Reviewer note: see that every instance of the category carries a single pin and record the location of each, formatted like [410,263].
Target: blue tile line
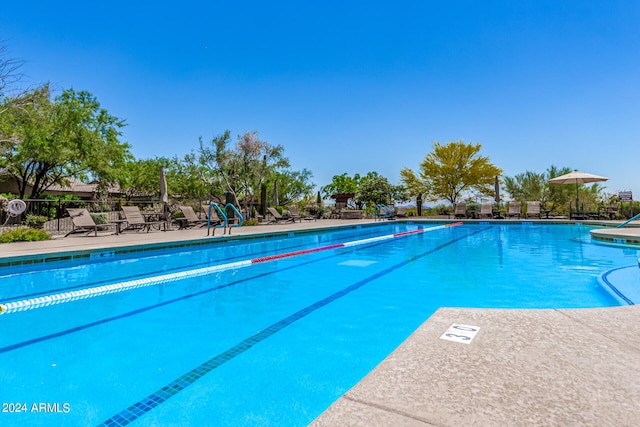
[144,309]
[14,306]
[613,288]
[65,297]
[105,282]
[148,308]
[134,411]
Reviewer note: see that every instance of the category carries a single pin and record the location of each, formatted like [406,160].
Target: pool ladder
[382,212]
[223,215]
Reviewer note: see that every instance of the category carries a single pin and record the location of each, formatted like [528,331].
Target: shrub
[100,218]
[35,221]
[24,235]
[251,221]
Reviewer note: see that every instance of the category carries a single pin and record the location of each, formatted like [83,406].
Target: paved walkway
[523,367]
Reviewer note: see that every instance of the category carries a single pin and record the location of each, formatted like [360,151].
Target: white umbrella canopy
[577,177]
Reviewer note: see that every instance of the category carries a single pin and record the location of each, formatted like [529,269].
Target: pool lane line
[79,328]
[131,276]
[65,297]
[160,396]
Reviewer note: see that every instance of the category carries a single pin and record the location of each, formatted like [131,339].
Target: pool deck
[569,367]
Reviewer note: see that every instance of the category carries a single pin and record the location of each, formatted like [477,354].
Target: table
[155,218]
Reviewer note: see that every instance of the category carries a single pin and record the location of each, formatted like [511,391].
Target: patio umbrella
[576,178]
[496,186]
[164,195]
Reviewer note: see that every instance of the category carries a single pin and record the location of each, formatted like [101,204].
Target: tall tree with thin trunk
[243,168]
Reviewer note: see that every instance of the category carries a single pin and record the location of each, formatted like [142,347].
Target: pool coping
[521,368]
[524,367]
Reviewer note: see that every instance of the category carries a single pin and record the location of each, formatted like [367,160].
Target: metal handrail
[230,205]
[628,221]
[221,214]
[379,208]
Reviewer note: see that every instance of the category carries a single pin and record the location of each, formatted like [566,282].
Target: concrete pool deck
[577,367]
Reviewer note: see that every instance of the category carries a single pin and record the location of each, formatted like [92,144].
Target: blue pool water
[273,343]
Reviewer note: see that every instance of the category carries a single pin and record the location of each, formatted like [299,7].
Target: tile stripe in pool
[33,303]
[16,346]
[138,409]
[605,280]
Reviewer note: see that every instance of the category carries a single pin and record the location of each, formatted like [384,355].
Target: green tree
[292,185]
[192,179]
[243,168]
[450,171]
[341,184]
[140,178]
[374,189]
[47,142]
[528,186]
[558,198]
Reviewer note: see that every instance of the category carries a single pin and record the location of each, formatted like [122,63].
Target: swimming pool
[270,343]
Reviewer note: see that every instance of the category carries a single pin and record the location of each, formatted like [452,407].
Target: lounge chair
[136,221]
[486,210]
[190,219]
[533,209]
[460,210]
[293,213]
[296,215]
[514,210]
[82,221]
[277,218]
[402,212]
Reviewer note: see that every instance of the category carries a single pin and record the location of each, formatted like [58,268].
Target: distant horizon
[357,87]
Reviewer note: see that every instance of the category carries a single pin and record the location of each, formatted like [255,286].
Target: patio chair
[533,209]
[190,219]
[136,221]
[460,210]
[612,210]
[514,209]
[293,212]
[277,218]
[296,215]
[82,221]
[402,212]
[486,210]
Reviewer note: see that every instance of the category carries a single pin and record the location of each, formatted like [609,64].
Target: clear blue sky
[354,86]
